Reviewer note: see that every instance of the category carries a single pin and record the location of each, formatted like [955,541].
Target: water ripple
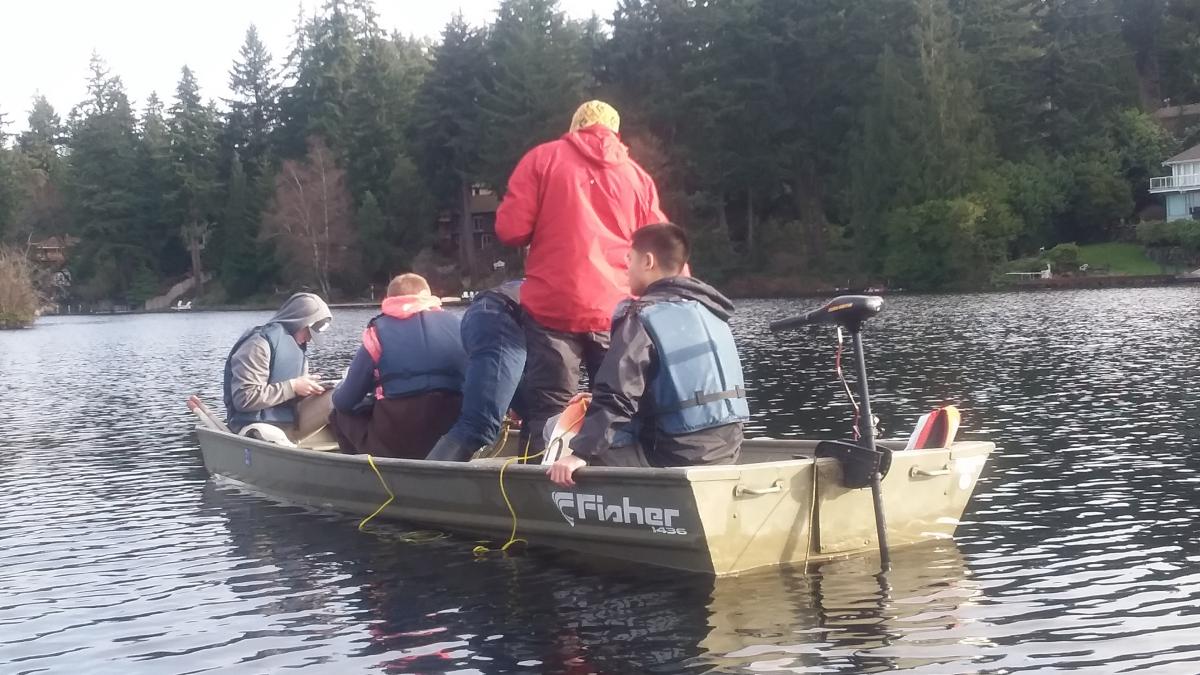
[1078,551]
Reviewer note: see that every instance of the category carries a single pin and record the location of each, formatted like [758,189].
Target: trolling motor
[862,463]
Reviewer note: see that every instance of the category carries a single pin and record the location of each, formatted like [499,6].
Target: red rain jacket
[576,202]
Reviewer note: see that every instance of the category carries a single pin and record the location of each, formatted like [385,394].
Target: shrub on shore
[1182,233]
[18,297]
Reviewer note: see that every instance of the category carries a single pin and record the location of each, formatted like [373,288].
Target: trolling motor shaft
[850,312]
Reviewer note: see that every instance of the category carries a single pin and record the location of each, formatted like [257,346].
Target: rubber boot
[450,449]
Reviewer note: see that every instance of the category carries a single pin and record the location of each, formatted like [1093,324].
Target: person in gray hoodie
[266,372]
[670,391]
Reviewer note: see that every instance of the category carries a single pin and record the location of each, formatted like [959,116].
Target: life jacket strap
[406,374]
[700,398]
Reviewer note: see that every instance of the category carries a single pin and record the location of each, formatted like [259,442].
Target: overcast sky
[45,44]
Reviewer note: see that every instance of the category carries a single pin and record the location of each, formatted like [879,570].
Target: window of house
[477,222]
[486,240]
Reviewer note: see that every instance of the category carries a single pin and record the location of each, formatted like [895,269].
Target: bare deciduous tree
[195,237]
[18,298]
[309,218]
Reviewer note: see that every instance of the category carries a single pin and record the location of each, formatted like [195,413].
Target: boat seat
[322,447]
[490,460]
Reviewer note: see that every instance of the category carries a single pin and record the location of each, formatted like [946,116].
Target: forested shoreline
[917,143]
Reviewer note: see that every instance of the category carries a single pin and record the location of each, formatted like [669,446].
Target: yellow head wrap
[596,112]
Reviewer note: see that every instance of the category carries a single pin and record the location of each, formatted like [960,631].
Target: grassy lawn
[1119,258]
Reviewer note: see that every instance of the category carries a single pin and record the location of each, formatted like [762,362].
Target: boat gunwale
[492,469]
[685,474]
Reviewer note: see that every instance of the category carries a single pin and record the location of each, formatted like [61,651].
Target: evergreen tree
[43,141]
[448,126]
[104,162]
[41,175]
[411,211]
[156,184]
[376,254]
[957,142]
[1079,80]
[254,107]
[321,67]
[380,104]
[241,261]
[1180,52]
[536,80]
[1141,24]
[9,185]
[193,132]
[887,171]
[639,69]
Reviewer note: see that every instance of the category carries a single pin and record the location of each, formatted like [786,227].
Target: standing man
[575,202]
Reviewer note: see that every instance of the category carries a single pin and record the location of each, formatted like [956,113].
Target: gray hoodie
[251,363]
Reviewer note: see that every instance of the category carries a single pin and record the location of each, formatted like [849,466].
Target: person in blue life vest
[495,343]
[266,372]
[670,391]
[404,386]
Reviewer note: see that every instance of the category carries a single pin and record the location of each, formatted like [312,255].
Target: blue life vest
[699,383]
[419,354]
[287,362]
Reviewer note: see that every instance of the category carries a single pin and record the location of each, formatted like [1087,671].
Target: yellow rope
[391,495]
[524,459]
[499,447]
[418,537]
[812,513]
[512,536]
[409,537]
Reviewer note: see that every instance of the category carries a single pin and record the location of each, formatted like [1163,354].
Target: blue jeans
[495,345]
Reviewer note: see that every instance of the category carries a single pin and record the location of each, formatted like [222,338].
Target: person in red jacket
[575,202]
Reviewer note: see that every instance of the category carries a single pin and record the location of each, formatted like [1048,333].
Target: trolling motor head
[847,311]
[860,460]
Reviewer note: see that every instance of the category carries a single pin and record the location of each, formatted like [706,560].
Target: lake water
[1080,550]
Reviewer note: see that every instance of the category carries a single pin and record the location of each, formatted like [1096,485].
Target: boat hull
[717,520]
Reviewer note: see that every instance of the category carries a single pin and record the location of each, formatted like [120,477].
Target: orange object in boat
[936,429]
[569,423]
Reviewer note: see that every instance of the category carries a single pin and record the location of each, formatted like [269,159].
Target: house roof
[487,202]
[56,241]
[1189,110]
[1192,154]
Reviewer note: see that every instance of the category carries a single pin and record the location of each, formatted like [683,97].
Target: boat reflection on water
[393,601]
[844,616]
[396,601]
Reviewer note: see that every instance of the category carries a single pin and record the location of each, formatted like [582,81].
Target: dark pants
[405,427]
[627,455]
[495,345]
[552,372]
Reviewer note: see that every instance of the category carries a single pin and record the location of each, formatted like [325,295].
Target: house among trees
[1182,187]
[484,203]
[52,250]
[1177,119]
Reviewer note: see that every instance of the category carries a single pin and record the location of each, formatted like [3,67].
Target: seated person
[404,386]
[266,372]
[670,391]
[495,345]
